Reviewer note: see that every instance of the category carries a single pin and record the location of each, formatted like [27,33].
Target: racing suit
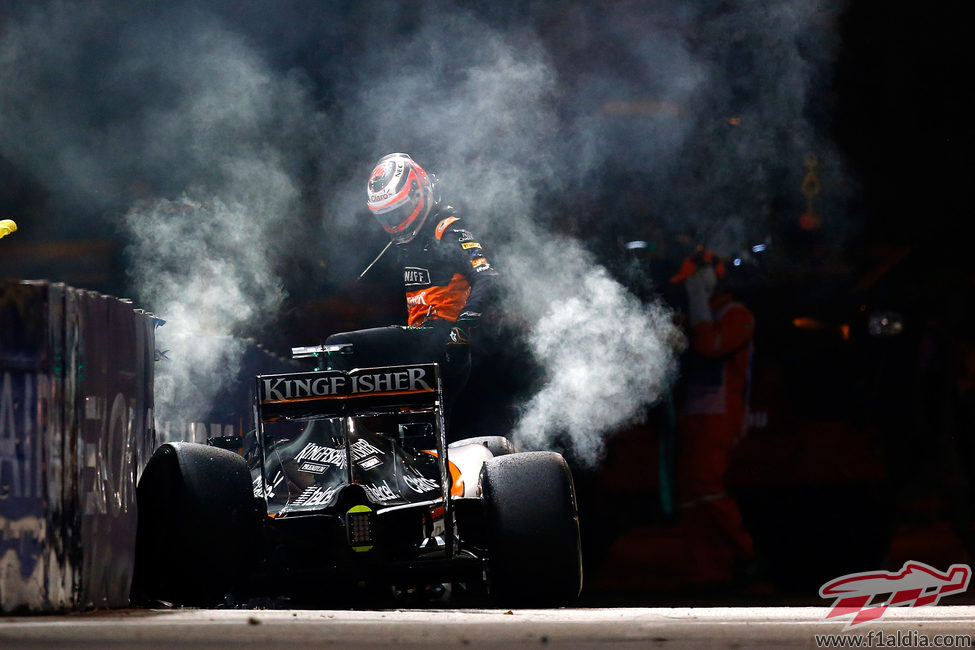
[446,273]
[449,282]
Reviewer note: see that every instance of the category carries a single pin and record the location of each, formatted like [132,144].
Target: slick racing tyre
[196,522]
[535,553]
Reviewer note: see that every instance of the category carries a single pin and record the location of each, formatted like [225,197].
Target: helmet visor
[405,220]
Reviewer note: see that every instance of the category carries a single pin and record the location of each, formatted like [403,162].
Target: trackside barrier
[76,400]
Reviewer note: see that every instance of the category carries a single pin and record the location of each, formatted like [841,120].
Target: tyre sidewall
[533,529]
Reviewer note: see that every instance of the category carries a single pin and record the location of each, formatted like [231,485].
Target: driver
[448,280]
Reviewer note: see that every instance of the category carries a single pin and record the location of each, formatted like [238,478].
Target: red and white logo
[866,596]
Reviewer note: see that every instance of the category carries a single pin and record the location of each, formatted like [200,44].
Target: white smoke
[705,100]
[186,122]
[495,137]
[208,262]
[204,267]
[176,121]
[606,356]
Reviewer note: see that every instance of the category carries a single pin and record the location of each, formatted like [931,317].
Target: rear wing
[335,393]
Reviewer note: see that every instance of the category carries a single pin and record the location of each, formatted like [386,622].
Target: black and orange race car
[351,491]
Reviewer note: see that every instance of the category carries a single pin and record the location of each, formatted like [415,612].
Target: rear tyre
[196,523]
[535,552]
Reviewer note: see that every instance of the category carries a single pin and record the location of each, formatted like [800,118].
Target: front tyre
[535,552]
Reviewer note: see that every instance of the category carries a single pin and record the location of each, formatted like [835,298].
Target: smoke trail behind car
[606,355]
[208,129]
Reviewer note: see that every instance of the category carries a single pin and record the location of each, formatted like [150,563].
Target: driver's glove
[462,331]
[454,333]
[441,327]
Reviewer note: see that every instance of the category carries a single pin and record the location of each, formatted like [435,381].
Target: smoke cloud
[493,132]
[204,267]
[208,261]
[605,354]
[229,141]
[174,114]
[704,104]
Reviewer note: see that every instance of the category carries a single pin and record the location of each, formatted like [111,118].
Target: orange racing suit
[446,272]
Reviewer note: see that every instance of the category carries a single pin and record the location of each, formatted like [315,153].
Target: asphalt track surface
[742,627]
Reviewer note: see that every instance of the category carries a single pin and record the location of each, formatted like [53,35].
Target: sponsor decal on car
[324,455]
[361,449]
[313,468]
[281,389]
[259,489]
[380,492]
[337,384]
[369,463]
[405,380]
[315,495]
[420,484]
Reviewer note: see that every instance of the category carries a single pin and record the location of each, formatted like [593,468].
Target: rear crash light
[360,527]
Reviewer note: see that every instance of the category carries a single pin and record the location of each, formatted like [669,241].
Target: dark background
[864,454]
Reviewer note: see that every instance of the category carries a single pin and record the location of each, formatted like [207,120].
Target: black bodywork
[344,472]
[348,491]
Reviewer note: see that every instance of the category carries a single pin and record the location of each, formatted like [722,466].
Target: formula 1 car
[351,490]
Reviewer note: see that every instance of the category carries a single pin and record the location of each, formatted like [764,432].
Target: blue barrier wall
[76,376]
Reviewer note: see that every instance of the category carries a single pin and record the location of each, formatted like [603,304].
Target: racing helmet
[400,196]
